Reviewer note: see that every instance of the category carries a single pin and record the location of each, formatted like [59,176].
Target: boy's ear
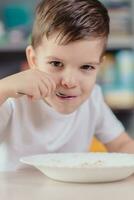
[103,59]
[31,58]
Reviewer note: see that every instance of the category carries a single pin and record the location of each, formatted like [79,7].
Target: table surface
[32,184]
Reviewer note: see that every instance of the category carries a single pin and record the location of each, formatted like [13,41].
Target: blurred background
[117,72]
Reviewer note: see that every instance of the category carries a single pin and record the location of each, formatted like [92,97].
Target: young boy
[55,106]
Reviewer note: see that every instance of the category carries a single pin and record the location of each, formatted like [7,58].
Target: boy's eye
[88,67]
[56,63]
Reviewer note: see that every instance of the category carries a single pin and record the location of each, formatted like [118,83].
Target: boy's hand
[33,83]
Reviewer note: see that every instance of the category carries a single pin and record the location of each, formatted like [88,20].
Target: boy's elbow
[122,144]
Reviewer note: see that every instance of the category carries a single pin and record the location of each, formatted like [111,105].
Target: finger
[47,83]
[52,81]
[36,94]
[45,76]
[43,89]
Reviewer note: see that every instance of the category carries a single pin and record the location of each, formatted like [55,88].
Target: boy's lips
[63,95]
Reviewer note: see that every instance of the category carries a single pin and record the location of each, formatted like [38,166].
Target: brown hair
[72,19]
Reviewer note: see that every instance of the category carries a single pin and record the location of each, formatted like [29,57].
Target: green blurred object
[16,15]
[125,64]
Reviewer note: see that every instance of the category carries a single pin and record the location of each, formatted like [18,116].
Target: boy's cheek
[90,90]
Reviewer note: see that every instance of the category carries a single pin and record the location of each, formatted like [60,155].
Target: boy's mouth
[64,96]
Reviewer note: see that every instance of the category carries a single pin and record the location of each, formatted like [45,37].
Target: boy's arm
[123,144]
[34,83]
[3,94]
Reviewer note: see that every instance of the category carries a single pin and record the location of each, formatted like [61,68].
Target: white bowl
[83,167]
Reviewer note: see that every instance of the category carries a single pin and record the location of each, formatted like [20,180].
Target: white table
[33,185]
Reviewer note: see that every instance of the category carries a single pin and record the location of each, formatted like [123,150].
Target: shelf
[120,42]
[120,100]
[14,47]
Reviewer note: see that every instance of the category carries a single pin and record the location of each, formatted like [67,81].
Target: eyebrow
[54,58]
[87,63]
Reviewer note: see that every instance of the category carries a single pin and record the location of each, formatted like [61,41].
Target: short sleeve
[108,126]
[5,113]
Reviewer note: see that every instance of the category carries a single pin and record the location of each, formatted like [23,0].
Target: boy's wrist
[4,93]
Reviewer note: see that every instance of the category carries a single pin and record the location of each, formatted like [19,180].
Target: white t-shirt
[28,128]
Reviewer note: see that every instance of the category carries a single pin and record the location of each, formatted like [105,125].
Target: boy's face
[73,67]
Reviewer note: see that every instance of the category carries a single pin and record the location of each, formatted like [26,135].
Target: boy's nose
[69,80]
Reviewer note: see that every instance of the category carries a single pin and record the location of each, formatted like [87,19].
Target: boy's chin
[62,110]
[65,111]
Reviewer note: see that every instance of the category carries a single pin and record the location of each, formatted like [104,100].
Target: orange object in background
[97,146]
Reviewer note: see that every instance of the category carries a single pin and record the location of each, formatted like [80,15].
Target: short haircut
[71,19]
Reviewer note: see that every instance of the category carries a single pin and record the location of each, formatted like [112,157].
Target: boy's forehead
[93,47]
